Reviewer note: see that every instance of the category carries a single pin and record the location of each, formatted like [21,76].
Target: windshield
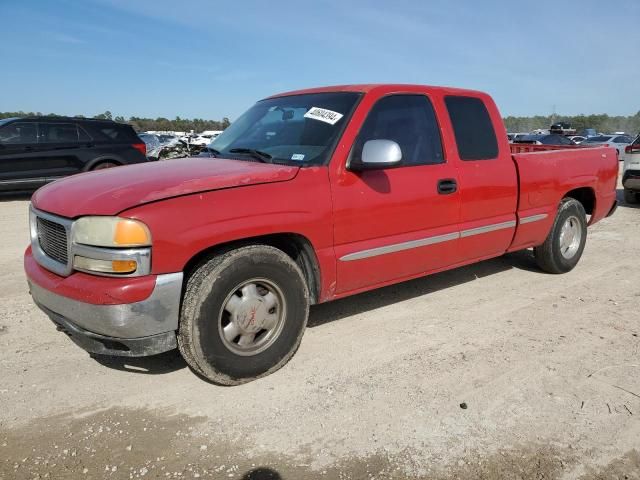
[300,129]
[6,120]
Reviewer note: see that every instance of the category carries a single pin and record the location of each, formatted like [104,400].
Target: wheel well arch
[97,161]
[586,196]
[296,246]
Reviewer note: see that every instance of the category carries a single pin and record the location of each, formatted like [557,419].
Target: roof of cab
[370,87]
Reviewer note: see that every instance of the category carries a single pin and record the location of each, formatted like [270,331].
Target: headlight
[111,246]
[86,264]
[114,232]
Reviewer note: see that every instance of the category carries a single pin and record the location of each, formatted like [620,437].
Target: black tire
[549,256]
[630,197]
[200,335]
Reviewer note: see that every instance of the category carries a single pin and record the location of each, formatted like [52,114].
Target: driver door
[396,223]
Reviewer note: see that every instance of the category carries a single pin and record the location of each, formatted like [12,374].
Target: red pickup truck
[309,196]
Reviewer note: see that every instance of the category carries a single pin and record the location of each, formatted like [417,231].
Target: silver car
[619,142]
[153,145]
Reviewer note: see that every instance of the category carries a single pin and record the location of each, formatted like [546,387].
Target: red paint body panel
[90,288]
[193,205]
[547,176]
[185,226]
[110,191]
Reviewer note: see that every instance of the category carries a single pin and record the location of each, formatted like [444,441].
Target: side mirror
[378,154]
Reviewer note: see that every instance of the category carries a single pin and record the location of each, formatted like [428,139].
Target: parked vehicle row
[312,195]
[618,140]
[38,150]
[544,139]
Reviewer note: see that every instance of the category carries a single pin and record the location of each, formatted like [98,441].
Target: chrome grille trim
[54,251]
[52,238]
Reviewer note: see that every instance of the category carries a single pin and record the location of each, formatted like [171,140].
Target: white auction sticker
[324,115]
[297,156]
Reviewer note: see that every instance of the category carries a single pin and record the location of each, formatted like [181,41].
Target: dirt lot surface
[491,371]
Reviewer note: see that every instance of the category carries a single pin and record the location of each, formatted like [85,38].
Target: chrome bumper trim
[157,314]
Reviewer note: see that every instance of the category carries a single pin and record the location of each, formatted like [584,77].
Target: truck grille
[52,238]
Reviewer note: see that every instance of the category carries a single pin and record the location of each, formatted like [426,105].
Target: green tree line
[601,122]
[141,124]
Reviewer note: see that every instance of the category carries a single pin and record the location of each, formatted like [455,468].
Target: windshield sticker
[297,156]
[324,115]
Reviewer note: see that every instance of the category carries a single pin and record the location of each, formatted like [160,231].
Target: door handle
[447,186]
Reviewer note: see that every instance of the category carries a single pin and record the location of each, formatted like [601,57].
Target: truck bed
[545,171]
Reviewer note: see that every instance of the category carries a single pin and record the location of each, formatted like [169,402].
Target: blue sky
[209,59]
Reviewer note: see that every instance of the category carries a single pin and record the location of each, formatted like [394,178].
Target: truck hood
[110,191]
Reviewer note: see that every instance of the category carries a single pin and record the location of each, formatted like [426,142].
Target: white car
[577,139]
[203,139]
[619,142]
[631,172]
[515,136]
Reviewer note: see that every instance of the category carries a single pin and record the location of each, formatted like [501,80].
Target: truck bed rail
[531,147]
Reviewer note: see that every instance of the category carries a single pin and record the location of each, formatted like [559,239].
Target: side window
[19,133]
[111,133]
[408,120]
[475,136]
[117,133]
[58,133]
[82,135]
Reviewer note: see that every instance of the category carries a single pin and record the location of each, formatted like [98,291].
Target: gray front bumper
[133,323]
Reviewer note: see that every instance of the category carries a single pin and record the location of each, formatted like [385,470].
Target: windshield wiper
[212,151]
[257,154]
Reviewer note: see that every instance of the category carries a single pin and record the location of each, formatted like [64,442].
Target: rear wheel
[630,196]
[103,165]
[565,243]
[243,314]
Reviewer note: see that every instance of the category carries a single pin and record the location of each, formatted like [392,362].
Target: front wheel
[243,314]
[565,243]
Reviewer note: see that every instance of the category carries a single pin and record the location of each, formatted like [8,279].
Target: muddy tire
[565,243]
[243,314]
[630,197]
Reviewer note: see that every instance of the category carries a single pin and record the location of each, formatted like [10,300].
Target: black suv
[37,150]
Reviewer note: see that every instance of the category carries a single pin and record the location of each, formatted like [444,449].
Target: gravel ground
[490,371]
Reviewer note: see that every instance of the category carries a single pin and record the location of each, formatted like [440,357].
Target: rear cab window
[473,128]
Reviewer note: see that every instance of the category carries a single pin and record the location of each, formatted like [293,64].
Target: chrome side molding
[423,242]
